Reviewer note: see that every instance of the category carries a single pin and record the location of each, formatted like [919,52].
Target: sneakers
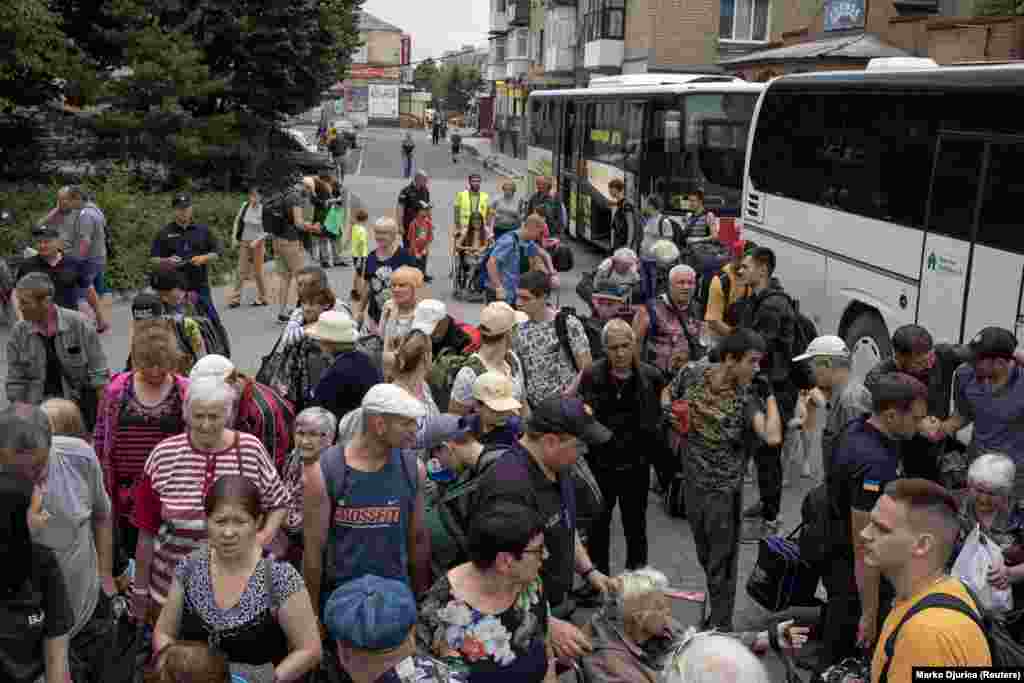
[758,530]
[752,511]
[283,319]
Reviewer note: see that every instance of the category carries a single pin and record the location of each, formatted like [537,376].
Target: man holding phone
[183,244]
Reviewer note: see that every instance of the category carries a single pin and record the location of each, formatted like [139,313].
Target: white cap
[212,365]
[428,314]
[496,391]
[334,326]
[827,345]
[392,399]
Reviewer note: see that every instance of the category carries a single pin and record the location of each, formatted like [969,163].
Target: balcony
[499,23]
[603,54]
[518,12]
[559,49]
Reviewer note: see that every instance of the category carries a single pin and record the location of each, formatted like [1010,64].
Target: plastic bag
[977,556]
[334,221]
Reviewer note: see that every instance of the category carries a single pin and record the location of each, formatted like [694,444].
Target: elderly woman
[490,615]
[315,429]
[497,322]
[254,610]
[179,472]
[506,212]
[139,409]
[989,503]
[398,314]
[634,631]
[713,658]
[372,289]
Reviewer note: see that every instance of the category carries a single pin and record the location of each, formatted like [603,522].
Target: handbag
[780,579]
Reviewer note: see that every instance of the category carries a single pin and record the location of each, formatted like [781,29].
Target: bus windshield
[708,154]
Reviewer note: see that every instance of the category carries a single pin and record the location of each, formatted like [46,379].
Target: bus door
[663,154]
[569,152]
[972,263]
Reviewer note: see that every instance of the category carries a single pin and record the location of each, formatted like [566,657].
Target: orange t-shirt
[933,637]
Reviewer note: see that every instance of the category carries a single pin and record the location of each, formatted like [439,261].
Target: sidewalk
[499,163]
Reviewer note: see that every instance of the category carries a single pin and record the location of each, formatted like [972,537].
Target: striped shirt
[169,499]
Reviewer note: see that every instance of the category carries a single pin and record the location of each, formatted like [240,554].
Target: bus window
[538,116]
[663,156]
[633,136]
[1001,225]
[717,126]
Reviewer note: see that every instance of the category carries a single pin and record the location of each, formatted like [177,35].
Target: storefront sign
[375,72]
[383,101]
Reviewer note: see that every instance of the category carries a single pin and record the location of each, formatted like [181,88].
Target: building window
[499,51]
[744,20]
[500,7]
[522,40]
[604,20]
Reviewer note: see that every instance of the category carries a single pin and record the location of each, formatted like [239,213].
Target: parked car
[303,139]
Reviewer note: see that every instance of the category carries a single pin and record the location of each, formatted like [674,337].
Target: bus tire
[868,341]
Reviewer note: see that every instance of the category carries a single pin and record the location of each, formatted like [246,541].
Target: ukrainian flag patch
[872,485]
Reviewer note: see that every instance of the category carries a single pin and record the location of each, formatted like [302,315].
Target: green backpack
[442,374]
[447,515]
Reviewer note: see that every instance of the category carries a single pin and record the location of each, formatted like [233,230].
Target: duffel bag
[780,579]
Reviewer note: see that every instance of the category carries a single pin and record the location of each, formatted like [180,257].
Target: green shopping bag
[335,221]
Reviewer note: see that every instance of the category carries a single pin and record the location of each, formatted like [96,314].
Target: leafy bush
[133,216]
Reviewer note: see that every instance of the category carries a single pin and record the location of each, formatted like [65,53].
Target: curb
[491,162]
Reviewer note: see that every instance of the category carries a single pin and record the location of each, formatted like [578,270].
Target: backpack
[475,339]
[108,239]
[704,291]
[591,327]
[562,258]
[215,337]
[489,251]
[447,512]
[697,350]
[804,332]
[275,220]
[441,377]
[1006,652]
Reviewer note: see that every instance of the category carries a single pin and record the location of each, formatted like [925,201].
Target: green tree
[424,75]
[36,53]
[457,85]
[999,8]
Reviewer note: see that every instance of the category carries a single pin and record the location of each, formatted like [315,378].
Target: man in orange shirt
[725,290]
[910,538]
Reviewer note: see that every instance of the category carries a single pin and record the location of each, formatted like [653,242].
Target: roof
[1008,77]
[672,89]
[862,46]
[368,22]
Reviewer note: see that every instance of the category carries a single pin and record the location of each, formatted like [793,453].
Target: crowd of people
[399,495]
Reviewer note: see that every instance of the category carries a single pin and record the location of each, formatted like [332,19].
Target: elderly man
[667,333]
[259,409]
[79,530]
[70,275]
[53,351]
[554,211]
[624,395]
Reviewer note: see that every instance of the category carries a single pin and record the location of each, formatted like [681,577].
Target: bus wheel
[869,343]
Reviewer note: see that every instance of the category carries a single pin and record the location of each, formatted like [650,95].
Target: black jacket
[633,416]
[770,314]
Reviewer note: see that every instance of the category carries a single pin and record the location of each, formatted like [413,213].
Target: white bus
[663,135]
[888,197]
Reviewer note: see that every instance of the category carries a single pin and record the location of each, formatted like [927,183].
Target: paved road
[373,179]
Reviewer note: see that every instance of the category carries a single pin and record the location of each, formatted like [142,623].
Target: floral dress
[499,647]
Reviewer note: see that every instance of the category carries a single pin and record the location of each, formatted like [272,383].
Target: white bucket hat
[334,326]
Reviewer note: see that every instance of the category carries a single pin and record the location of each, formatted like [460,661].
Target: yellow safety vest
[465,204]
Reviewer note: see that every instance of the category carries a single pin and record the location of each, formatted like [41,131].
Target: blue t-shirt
[998,416]
[862,445]
[508,253]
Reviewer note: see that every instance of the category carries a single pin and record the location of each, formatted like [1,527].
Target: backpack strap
[941,600]
[410,467]
[562,332]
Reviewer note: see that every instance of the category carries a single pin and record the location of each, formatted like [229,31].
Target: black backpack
[215,337]
[804,332]
[275,219]
[1006,652]
[591,327]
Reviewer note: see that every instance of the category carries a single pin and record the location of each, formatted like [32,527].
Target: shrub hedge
[133,216]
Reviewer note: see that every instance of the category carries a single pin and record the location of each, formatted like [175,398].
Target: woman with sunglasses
[489,616]
[169,498]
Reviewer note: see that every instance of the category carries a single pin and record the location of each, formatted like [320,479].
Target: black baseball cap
[182,200]
[147,307]
[993,342]
[44,231]
[561,415]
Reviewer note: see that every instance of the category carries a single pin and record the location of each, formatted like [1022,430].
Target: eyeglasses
[541,550]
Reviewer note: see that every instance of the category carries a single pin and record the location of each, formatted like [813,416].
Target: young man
[290,254]
[867,459]
[191,247]
[769,313]
[536,472]
[71,275]
[700,221]
[364,507]
[915,354]
[726,407]
[85,235]
[844,398]
[989,394]
[625,224]
[516,253]
[53,351]
[550,370]
[725,292]
[468,202]
[910,538]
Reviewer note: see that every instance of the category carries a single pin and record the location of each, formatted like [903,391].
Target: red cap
[738,247]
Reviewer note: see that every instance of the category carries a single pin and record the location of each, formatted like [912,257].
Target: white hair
[681,269]
[713,658]
[210,390]
[994,471]
[624,254]
[386,223]
[616,325]
[321,418]
[635,584]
